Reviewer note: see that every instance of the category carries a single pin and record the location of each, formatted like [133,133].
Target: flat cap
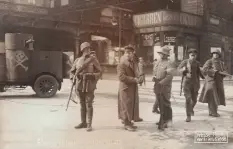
[191,50]
[165,50]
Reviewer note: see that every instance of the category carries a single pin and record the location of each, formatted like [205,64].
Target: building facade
[65,24]
[200,24]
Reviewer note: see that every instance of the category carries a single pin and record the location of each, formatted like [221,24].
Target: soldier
[141,66]
[86,83]
[155,108]
[163,75]
[190,69]
[128,89]
[213,89]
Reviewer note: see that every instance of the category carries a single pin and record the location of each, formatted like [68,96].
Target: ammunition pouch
[87,76]
[90,77]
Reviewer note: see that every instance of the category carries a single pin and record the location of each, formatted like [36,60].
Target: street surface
[27,122]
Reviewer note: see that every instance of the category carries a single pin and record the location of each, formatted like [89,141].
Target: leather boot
[89,119]
[188,119]
[83,123]
[128,126]
[155,111]
[161,122]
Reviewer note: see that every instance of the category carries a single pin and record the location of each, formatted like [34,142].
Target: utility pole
[120,34]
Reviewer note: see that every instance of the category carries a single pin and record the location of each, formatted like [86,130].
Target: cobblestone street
[28,122]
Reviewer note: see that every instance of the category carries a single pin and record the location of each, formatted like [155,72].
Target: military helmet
[216,51]
[84,45]
[129,48]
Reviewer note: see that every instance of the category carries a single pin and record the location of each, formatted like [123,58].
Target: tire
[2,88]
[46,86]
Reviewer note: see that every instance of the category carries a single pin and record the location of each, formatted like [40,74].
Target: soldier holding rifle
[128,91]
[190,69]
[86,83]
[213,89]
[163,75]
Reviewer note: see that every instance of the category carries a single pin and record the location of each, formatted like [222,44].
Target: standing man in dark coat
[190,69]
[163,75]
[127,93]
[86,81]
[213,89]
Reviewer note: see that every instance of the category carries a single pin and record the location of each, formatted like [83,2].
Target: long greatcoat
[128,90]
[213,87]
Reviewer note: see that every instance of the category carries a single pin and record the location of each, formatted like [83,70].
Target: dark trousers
[156,104]
[213,107]
[86,103]
[165,109]
[191,99]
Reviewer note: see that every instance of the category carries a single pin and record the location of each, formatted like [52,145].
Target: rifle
[182,80]
[225,74]
[71,92]
[181,86]
[89,60]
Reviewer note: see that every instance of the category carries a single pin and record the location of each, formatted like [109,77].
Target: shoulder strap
[222,66]
[188,65]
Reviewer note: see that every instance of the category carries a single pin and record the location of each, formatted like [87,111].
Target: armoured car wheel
[46,86]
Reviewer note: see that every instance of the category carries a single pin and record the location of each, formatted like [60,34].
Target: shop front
[177,30]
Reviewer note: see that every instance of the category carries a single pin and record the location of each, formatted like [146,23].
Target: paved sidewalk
[28,122]
[113,76]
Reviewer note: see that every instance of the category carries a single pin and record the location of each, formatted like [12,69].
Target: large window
[41,3]
[64,2]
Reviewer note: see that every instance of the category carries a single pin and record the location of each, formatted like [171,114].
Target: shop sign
[171,17]
[147,39]
[190,20]
[156,37]
[147,19]
[169,38]
[166,18]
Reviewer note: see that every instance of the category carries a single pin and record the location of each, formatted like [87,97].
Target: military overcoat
[128,92]
[213,87]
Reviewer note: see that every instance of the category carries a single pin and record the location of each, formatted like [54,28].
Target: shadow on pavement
[3,97]
[33,96]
